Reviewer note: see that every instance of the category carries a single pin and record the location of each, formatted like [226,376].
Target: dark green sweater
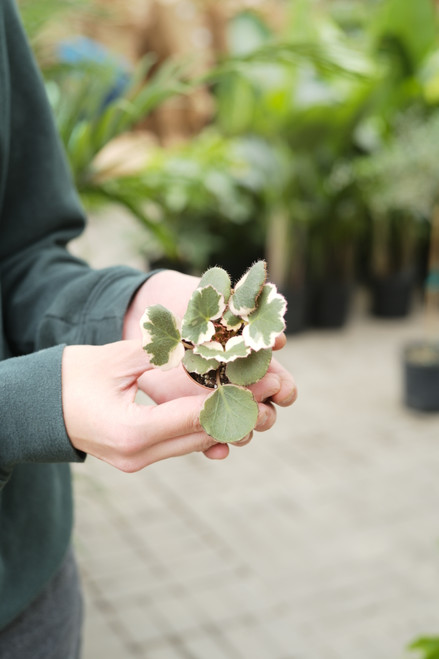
[47,299]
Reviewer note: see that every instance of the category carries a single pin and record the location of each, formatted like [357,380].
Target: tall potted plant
[302,105]
[404,180]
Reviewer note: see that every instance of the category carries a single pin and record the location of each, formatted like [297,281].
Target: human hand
[173,290]
[169,288]
[99,385]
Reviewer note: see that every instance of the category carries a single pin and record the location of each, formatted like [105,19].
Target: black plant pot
[392,295]
[297,303]
[421,377]
[329,303]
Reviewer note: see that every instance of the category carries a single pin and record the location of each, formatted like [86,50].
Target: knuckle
[194,423]
[128,466]
[128,444]
[205,442]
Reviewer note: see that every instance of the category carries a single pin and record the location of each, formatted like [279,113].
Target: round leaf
[219,279]
[161,338]
[249,370]
[229,414]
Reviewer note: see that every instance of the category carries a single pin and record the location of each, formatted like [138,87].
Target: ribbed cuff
[32,423]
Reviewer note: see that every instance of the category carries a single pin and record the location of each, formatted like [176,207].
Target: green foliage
[403,176]
[293,111]
[266,321]
[87,121]
[229,413]
[208,194]
[36,15]
[244,298]
[233,349]
[427,647]
[248,370]
[205,305]
[218,355]
[161,337]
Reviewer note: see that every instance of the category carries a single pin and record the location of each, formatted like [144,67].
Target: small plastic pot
[421,377]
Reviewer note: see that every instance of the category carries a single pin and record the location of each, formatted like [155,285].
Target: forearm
[52,298]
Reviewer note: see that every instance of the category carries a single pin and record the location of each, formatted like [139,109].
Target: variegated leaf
[234,349]
[267,321]
[196,364]
[219,279]
[230,321]
[161,337]
[205,305]
[243,300]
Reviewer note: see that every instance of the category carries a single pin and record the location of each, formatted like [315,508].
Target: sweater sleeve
[32,424]
[49,296]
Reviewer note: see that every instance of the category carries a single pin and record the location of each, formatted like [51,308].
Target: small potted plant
[224,343]
[399,184]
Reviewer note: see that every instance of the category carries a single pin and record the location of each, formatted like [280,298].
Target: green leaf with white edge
[196,364]
[243,300]
[219,279]
[267,321]
[205,305]
[230,321]
[234,349]
[249,370]
[229,414]
[161,337]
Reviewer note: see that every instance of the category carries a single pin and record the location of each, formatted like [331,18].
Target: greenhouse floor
[319,540]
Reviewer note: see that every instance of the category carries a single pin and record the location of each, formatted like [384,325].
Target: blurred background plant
[427,648]
[253,129]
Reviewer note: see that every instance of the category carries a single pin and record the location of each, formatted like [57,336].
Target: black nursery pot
[392,295]
[296,314]
[421,377]
[329,303]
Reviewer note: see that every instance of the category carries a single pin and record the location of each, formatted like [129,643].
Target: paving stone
[322,534]
[211,646]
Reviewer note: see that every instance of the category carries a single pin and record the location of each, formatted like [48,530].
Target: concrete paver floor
[319,540]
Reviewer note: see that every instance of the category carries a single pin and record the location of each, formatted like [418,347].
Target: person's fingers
[266,417]
[245,441]
[175,418]
[266,388]
[217,452]
[159,385]
[172,448]
[287,393]
[280,342]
